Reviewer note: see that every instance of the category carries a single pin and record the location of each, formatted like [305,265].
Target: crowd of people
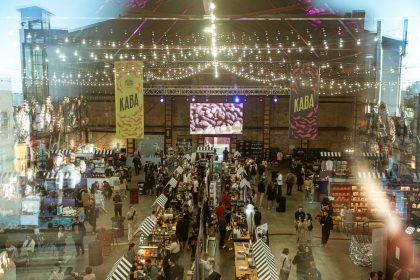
[265,193]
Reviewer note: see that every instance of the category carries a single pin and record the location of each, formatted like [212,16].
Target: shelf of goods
[250,149]
[406,198]
[148,252]
[354,197]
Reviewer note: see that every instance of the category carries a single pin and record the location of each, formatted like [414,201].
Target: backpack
[311,226]
[253,170]
[289,179]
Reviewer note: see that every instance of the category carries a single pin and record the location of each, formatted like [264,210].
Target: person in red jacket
[226,200]
[220,210]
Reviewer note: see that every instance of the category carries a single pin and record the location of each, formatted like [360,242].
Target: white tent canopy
[120,270]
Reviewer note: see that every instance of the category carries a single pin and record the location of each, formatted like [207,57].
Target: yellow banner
[129,112]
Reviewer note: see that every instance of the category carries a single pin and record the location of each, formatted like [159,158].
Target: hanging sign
[304,100]
[129,112]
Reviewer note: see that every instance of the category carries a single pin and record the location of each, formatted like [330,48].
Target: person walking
[176,272]
[222,231]
[299,214]
[137,164]
[286,264]
[300,174]
[131,222]
[308,185]
[301,262]
[310,227]
[131,252]
[279,184]
[327,225]
[195,187]
[78,236]
[257,217]
[123,183]
[92,215]
[182,230]
[117,201]
[261,191]
[220,210]
[60,242]
[253,171]
[301,231]
[225,155]
[271,195]
[174,247]
[290,181]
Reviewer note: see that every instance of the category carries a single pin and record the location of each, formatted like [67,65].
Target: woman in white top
[60,242]
[28,245]
[285,264]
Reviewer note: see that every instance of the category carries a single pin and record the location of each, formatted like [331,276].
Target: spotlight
[207,99]
[275,99]
[261,99]
[237,99]
[193,99]
[162,99]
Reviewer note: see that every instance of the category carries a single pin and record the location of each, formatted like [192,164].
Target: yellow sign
[20,158]
[129,112]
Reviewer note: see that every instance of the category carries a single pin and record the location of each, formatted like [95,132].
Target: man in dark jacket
[222,230]
[299,214]
[182,231]
[327,225]
[302,263]
[257,217]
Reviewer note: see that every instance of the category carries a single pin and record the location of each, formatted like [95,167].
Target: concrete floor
[332,261]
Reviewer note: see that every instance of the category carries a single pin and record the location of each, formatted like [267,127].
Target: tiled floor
[332,261]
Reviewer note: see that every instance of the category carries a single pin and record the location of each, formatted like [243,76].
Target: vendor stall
[265,261]
[244,262]
[120,270]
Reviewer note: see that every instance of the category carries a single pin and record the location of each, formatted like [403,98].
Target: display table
[241,262]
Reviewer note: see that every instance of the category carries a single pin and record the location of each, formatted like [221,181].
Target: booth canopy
[103,152]
[330,154]
[205,150]
[146,227]
[121,270]
[172,182]
[373,155]
[244,182]
[179,170]
[161,201]
[264,260]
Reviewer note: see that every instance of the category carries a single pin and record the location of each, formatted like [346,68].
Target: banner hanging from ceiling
[304,100]
[129,112]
